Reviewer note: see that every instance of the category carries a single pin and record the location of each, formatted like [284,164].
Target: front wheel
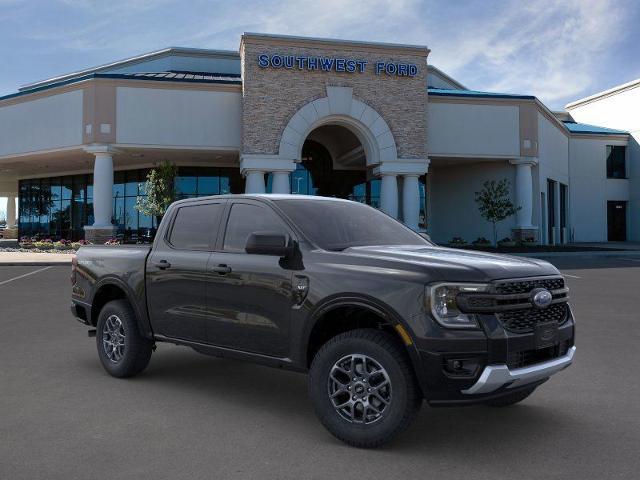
[363,388]
[123,351]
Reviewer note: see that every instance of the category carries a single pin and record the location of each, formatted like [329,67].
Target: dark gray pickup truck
[379,316]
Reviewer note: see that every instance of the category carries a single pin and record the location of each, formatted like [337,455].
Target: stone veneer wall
[271,96]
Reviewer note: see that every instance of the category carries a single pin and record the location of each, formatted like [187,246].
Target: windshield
[336,225]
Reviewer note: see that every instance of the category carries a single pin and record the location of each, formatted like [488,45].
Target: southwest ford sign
[333,64]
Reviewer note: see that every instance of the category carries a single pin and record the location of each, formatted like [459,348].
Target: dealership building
[372,122]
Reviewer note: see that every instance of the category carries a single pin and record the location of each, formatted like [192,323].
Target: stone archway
[340,108]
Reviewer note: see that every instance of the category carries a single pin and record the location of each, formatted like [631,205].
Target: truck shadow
[283,395]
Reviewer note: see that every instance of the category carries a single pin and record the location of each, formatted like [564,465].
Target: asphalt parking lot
[192,416]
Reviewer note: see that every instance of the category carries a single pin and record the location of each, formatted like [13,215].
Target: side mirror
[269,243]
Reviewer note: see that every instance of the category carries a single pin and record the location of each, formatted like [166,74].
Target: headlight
[444,307]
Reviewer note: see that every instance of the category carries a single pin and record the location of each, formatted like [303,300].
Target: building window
[60,207]
[616,161]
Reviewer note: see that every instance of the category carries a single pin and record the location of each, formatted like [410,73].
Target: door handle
[222,269]
[162,264]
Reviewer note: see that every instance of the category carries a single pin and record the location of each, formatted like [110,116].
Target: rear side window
[196,227]
[245,219]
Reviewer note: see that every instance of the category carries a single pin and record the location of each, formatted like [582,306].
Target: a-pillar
[524,198]
[102,228]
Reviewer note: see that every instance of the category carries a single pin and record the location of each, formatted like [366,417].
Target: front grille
[525,286]
[523,321]
[512,303]
[525,358]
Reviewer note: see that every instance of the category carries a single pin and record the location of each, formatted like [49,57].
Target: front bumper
[495,377]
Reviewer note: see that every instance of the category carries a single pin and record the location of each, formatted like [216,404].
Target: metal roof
[475,93]
[585,128]
[135,60]
[186,77]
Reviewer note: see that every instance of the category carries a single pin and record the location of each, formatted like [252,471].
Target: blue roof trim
[227,80]
[444,92]
[585,128]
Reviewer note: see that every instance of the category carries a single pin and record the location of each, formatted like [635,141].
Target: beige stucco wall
[271,96]
[54,121]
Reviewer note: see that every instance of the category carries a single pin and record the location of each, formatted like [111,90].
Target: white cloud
[546,48]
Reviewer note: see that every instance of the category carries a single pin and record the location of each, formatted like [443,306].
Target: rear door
[617,221]
[177,271]
[249,296]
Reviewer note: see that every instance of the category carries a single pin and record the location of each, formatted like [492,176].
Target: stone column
[524,197]
[11,212]
[254,181]
[281,183]
[102,228]
[411,201]
[389,194]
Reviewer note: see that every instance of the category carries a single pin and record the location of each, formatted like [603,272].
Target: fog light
[461,367]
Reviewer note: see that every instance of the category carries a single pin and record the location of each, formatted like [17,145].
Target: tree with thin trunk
[160,191]
[494,203]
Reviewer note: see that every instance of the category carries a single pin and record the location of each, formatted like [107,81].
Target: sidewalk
[35,259]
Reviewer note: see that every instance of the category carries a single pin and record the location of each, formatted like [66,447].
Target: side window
[195,227]
[245,219]
[616,165]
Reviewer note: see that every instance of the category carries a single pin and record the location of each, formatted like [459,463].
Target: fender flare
[369,303]
[142,317]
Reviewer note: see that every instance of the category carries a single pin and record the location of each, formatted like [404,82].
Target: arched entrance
[339,146]
[333,164]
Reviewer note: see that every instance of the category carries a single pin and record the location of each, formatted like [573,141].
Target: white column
[280,183]
[411,201]
[103,189]
[524,193]
[11,212]
[389,194]
[254,182]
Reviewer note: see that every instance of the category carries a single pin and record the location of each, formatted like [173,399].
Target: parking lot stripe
[25,275]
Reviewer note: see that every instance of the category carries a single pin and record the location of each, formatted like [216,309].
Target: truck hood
[453,264]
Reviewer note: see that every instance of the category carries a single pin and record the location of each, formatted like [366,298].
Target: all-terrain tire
[117,325]
[512,399]
[379,422]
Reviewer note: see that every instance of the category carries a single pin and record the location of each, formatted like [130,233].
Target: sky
[557,50]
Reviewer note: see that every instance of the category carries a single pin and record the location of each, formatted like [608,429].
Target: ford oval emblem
[541,298]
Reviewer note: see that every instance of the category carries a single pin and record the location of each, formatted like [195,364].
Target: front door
[177,271]
[617,221]
[249,297]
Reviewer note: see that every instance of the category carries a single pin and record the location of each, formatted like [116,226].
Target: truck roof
[264,196]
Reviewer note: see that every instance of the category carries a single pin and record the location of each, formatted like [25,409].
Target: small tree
[494,203]
[160,191]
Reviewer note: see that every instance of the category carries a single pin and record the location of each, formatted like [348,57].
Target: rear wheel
[511,399]
[363,388]
[123,351]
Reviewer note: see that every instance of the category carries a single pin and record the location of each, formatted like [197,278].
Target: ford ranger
[379,317]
